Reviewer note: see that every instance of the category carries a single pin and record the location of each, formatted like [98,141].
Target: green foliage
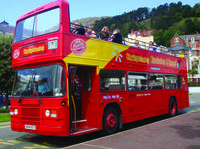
[165,20]
[4,117]
[192,71]
[6,70]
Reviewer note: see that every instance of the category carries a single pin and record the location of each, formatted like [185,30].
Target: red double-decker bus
[68,84]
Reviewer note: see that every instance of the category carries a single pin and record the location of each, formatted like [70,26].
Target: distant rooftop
[5,28]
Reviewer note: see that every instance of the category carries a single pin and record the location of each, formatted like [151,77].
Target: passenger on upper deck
[90,32]
[104,34]
[152,47]
[117,37]
[136,44]
[78,29]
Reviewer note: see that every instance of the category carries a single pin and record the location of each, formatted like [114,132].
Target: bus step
[80,123]
[81,130]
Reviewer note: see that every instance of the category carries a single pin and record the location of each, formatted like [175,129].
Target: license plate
[31,127]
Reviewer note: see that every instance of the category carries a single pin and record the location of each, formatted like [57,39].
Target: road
[16,140]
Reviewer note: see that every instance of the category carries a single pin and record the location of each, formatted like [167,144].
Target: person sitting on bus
[78,29]
[152,47]
[43,87]
[117,37]
[104,34]
[90,32]
[136,44]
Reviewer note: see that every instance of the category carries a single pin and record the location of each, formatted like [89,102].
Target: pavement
[180,132]
[194,89]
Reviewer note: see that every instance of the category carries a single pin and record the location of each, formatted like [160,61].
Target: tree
[6,70]
[190,26]
[192,72]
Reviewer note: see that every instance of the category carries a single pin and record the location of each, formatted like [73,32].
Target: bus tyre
[172,107]
[110,120]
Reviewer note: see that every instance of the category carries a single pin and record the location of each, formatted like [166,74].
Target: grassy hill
[89,20]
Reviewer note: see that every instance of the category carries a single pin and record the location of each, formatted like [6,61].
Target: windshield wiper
[38,97]
[20,98]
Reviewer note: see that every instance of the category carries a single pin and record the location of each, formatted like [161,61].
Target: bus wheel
[110,120]
[172,107]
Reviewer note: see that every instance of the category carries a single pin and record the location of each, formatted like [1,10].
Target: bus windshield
[40,81]
[38,24]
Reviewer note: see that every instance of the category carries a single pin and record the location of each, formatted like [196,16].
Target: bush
[193,84]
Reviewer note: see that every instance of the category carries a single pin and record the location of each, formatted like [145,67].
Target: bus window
[179,82]
[112,80]
[156,81]
[170,82]
[137,81]
[40,81]
[39,24]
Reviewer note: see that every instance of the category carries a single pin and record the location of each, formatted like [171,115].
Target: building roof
[189,37]
[5,28]
[179,48]
[140,33]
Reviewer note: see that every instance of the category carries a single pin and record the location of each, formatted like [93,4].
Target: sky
[10,10]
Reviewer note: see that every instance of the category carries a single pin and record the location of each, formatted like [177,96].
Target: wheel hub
[111,121]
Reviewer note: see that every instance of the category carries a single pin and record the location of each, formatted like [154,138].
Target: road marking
[45,143]
[5,143]
[35,146]
[5,126]
[97,146]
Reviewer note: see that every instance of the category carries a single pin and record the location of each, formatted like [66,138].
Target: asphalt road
[16,140]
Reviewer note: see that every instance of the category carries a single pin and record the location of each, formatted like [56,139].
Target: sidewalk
[194,89]
[5,124]
[180,132]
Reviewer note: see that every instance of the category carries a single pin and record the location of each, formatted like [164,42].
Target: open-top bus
[67,84]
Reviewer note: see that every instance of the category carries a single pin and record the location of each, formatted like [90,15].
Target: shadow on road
[60,142]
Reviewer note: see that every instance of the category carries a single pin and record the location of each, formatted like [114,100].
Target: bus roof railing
[127,41]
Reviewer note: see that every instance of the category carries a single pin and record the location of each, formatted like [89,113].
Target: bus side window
[170,81]
[137,81]
[156,81]
[179,82]
[112,80]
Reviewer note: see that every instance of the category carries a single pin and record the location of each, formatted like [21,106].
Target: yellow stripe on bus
[98,53]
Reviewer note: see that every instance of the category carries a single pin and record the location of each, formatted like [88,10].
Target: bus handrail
[125,40]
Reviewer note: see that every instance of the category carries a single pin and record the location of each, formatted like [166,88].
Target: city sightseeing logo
[78,46]
[16,54]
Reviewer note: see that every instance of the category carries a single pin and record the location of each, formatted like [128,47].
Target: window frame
[175,79]
[135,73]
[117,90]
[34,18]
[163,84]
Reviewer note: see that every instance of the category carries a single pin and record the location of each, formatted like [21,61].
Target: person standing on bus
[117,37]
[104,34]
[78,29]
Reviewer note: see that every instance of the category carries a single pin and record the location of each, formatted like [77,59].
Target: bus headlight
[47,113]
[51,113]
[16,111]
[13,111]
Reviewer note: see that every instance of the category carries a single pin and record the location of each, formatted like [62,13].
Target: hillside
[89,20]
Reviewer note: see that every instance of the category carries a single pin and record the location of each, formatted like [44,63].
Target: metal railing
[126,41]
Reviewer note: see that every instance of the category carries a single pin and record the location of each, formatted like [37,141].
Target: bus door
[81,96]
